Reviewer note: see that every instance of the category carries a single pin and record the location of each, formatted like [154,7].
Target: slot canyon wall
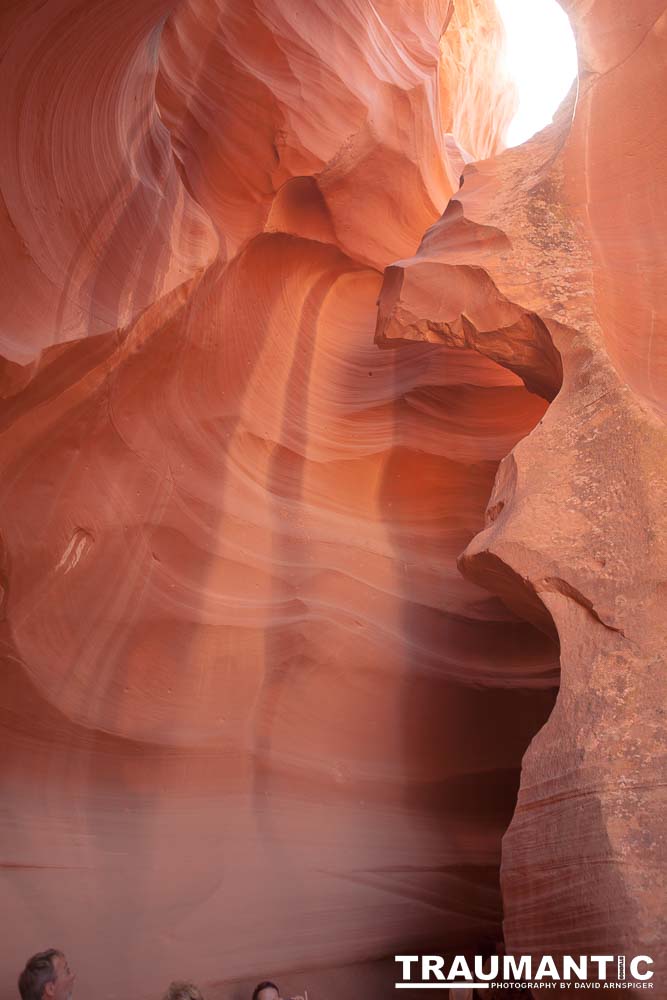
[331,440]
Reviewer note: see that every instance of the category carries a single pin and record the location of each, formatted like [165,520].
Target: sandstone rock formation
[257,716]
[555,251]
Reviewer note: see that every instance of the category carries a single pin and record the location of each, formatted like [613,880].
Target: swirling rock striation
[551,254]
[254,719]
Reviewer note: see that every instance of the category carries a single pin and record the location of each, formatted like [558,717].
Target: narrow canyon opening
[541,61]
[269,666]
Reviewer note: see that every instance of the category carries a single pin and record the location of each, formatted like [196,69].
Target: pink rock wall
[560,244]
[255,721]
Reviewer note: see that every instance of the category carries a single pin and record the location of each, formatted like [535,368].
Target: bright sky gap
[541,58]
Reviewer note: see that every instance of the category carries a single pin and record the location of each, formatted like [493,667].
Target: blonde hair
[179,990]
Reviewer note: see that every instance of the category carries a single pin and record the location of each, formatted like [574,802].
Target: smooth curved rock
[95,222]
[557,231]
[254,719]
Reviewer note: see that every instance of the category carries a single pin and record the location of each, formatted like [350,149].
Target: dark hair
[266,985]
[37,973]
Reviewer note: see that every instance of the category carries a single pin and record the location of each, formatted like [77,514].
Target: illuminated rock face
[255,720]
[557,244]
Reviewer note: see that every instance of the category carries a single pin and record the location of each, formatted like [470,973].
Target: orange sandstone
[254,717]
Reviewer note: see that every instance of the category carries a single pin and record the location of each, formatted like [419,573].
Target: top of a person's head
[179,990]
[261,987]
[39,970]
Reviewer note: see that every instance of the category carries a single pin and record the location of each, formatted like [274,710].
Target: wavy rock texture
[555,251]
[95,222]
[255,720]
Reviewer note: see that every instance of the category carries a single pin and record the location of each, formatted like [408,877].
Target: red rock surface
[254,719]
[561,244]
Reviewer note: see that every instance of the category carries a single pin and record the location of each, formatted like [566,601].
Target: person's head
[183,991]
[46,976]
[266,991]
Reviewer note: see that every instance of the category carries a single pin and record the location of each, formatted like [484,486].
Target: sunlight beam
[541,58]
